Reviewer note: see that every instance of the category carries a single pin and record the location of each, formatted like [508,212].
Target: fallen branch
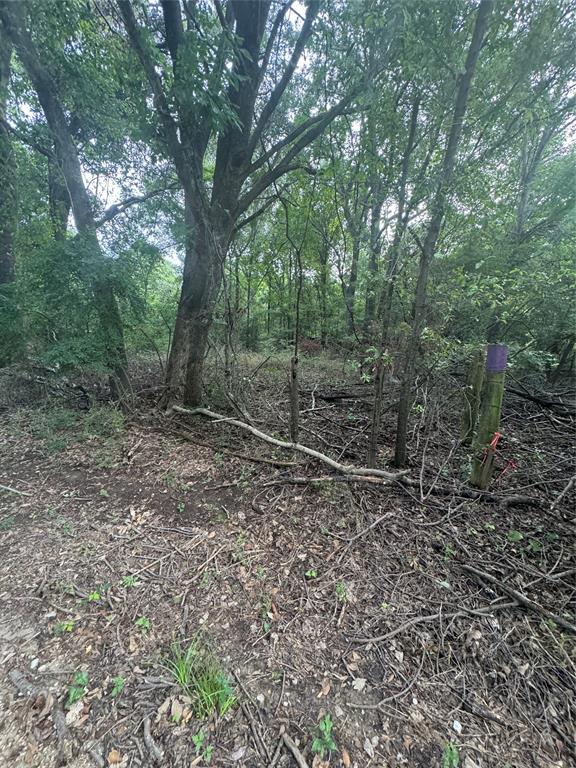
[432,617]
[14,490]
[566,490]
[342,468]
[155,752]
[254,459]
[297,755]
[520,598]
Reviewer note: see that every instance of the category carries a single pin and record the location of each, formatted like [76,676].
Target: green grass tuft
[201,677]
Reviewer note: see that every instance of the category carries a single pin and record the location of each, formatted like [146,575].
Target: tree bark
[373,260]
[59,200]
[350,288]
[437,217]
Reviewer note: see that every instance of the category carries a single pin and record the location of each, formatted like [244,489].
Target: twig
[432,617]
[155,751]
[298,756]
[522,599]
[566,490]
[277,751]
[394,695]
[14,490]
[363,533]
[258,740]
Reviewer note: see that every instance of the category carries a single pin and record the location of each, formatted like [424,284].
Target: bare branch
[118,208]
[272,103]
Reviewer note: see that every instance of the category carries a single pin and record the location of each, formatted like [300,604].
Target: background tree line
[393,177]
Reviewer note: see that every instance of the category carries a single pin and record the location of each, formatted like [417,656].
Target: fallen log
[342,468]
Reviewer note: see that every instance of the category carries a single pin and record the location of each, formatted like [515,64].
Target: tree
[437,211]
[225,96]
[13,18]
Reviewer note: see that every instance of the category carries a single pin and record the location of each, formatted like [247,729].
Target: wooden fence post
[484,445]
[472,395]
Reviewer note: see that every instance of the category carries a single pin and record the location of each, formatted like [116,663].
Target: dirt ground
[347,599]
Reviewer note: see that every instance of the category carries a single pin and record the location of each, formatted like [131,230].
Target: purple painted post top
[496,358]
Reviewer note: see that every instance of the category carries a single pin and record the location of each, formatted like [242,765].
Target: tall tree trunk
[12,17]
[200,284]
[9,315]
[59,200]
[350,287]
[323,294]
[373,259]
[436,219]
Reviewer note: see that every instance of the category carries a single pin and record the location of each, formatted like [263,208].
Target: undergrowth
[200,675]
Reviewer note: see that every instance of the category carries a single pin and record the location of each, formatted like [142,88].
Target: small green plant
[311,574]
[200,676]
[535,546]
[323,741]
[266,612]
[449,551]
[66,527]
[129,581]
[118,684]
[515,536]
[181,507]
[341,593]
[104,493]
[63,627]
[94,596]
[143,623]
[450,756]
[77,688]
[198,739]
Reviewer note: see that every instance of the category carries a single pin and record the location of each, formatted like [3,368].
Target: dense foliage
[293,175]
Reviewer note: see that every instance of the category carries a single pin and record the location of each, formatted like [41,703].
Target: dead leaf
[359,684]
[238,754]
[114,757]
[326,685]
[368,748]
[346,758]
[74,712]
[163,709]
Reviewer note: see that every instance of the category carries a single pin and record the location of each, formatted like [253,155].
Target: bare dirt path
[129,538]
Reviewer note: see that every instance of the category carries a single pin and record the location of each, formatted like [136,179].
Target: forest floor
[133,536]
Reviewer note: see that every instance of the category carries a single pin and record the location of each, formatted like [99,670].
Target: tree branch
[272,103]
[173,27]
[118,208]
[160,101]
[29,142]
[285,164]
